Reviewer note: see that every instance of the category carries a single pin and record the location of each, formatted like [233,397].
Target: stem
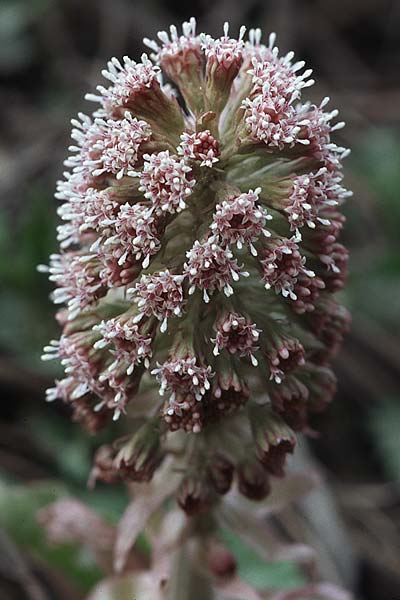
[186,584]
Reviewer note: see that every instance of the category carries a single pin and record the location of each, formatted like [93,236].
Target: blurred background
[51,53]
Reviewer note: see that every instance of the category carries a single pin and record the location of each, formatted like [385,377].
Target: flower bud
[138,458]
[134,459]
[195,495]
[322,387]
[228,392]
[284,355]
[221,473]
[224,58]
[330,322]
[182,60]
[273,439]
[253,479]
[290,400]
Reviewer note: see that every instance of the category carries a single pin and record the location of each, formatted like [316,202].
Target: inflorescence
[198,261]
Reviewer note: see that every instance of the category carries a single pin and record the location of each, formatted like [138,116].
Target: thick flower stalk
[198,264]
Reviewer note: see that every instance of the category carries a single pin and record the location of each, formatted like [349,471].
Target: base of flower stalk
[186,583]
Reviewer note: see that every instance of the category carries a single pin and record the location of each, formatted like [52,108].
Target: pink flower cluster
[225,51]
[282,264]
[159,295]
[199,252]
[128,79]
[165,181]
[237,334]
[240,220]
[201,146]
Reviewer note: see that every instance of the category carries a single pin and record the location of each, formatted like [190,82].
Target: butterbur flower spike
[198,264]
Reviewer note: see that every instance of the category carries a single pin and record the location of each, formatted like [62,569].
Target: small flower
[284,355]
[129,80]
[224,52]
[202,147]
[237,334]
[307,291]
[270,115]
[120,145]
[278,80]
[118,269]
[87,215]
[311,199]
[78,279]
[228,392]
[137,231]
[159,295]
[139,457]
[322,388]
[109,146]
[330,321]
[316,131]
[134,459]
[240,220]
[211,267]
[305,201]
[165,181]
[183,375]
[282,264]
[336,267]
[179,55]
[183,412]
[224,57]
[137,87]
[129,341]
[75,184]
[120,385]
[81,365]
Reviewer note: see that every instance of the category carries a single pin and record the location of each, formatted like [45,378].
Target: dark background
[51,53]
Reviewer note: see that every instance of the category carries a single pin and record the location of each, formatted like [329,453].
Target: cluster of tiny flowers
[201,146]
[237,334]
[199,258]
[240,220]
[164,181]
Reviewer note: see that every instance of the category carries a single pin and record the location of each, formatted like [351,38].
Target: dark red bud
[253,480]
[221,473]
[194,496]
